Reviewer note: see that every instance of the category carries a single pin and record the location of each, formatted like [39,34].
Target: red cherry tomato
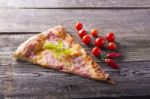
[94,32]
[99,42]
[112,46]
[96,51]
[110,37]
[78,26]
[82,32]
[86,39]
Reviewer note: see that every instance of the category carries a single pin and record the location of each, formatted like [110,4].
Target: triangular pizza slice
[56,49]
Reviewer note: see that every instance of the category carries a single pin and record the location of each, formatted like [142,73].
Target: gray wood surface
[121,21]
[26,80]
[21,19]
[74,3]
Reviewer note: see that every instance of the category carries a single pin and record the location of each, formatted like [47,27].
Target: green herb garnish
[58,49]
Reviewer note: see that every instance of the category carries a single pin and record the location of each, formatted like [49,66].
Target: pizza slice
[56,49]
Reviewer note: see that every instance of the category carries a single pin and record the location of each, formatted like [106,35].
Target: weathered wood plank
[25,79]
[2,76]
[127,45]
[31,80]
[122,22]
[74,3]
[1,82]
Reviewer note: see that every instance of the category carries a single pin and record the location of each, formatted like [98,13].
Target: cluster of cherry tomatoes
[99,41]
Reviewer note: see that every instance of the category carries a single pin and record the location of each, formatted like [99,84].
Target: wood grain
[26,80]
[1,81]
[74,4]
[123,22]
[31,80]
[21,19]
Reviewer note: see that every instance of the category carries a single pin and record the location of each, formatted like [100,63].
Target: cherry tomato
[99,42]
[78,26]
[110,37]
[96,51]
[86,39]
[82,32]
[94,32]
[112,46]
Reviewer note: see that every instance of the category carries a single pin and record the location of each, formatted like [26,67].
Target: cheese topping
[64,54]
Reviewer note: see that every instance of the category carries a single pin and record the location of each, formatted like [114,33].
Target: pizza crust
[23,51]
[98,73]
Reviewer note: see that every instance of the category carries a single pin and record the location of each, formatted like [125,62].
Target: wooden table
[129,19]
